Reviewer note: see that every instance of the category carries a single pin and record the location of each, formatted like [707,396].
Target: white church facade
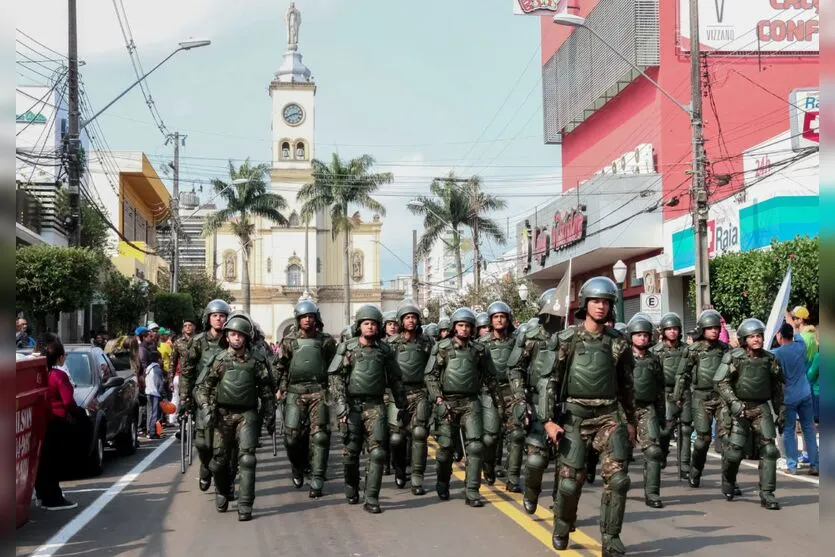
[302,259]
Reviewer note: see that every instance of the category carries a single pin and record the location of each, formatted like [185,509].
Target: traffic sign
[651,306]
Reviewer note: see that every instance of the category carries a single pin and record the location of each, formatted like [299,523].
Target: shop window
[300,153]
[294,275]
[285,150]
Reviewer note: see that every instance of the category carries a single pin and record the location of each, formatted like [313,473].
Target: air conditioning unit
[644,161]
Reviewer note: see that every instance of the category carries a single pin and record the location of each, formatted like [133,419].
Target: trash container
[30,427]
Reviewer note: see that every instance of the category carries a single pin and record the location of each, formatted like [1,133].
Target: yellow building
[136,200]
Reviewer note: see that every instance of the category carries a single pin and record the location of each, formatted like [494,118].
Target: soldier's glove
[442,412]
[737,409]
[781,420]
[341,409]
[206,414]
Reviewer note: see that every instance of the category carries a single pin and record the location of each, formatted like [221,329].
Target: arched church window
[230,261]
[300,150]
[294,275]
[294,219]
[285,150]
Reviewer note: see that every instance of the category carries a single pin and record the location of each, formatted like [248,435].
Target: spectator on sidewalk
[59,431]
[799,320]
[797,399]
[22,338]
[165,348]
[813,376]
[153,391]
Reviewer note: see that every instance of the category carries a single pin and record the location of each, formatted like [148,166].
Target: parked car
[109,408]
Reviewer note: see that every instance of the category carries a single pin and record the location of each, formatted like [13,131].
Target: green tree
[51,280]
[127,300]
[94,228]
[745,284]
[202,289]
[170,309]
[479,204]
[505,289]
[336,187]
[247,197]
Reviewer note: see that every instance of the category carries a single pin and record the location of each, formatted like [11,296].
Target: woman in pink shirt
[61,406]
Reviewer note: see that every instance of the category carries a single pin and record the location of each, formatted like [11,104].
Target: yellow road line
[538,526]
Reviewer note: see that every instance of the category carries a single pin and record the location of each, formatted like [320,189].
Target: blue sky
[413,84]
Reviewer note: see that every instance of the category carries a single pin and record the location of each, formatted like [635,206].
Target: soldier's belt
[412,387]
[582,411]
[705,394]
[459,396]
[305,388]
[359,401]
[226,410]
[644,402]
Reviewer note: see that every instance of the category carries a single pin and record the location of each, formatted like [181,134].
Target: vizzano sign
[539,7]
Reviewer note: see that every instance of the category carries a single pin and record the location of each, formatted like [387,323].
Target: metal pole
[414,268]
[306,257]
[620,303]
[699,204]
[73,135]
[175,213]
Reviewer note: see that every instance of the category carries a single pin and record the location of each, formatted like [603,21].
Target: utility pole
[414,268]
[73,135]
[699,201]
[175,208]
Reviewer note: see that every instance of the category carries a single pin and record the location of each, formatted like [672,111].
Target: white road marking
[88,490]
[56,542]
[807,479]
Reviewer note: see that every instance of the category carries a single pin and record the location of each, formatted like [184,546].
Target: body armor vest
[671,358]
[208,350]
[461,375]
[542,365]
[500,352]
[645,382]
[753,382]
[591,371]
[368,376]
[307,364]
[412,358]
[237,386]
[709,360]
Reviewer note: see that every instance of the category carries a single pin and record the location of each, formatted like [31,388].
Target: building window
[294,275]
[318,264]
[230,263]
[294,219]
[269,264]
[300,150]
[285,150]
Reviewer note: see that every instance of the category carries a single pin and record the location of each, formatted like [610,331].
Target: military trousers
[307,434]
[412,431]
[236,431]
[707,407]
[678,417]
[649,434]
[500,430]
[366,424]
[459,416]
[539,450]
[756,427]
[602,429]
[203,441]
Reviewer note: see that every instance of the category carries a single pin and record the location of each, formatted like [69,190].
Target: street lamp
[426,313]
[184,45]
[619,272]
[523,292]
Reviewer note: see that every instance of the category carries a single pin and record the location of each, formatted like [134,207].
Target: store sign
[568,228]
[30,117]
[804,117]
[723,236]
[753,26]
[539,7]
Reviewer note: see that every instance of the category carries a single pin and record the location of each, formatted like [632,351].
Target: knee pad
[517,435]
[619,483]
[475,448]
[321,439]
[489,440]
[420,433]
[569,487]
[396,439]
[686,430]
[537,461]
[292,438]
[770,452]
[732,453]
[247,460]
[701,444]
[378,455]
[217,464]
[443,455]
[654,452]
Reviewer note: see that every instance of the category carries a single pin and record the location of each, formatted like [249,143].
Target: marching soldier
[650,406]
[390,325]
[530,372]
[228,398]
[482,324]
[455,374]
[201,349]
[672,354]
[500,342]
[748,379]
[594,374]
[431,330]
[359,374]
[443,328]
[412,348]
[301,371]
[703,359]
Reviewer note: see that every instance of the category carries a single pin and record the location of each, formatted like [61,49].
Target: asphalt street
[157,511]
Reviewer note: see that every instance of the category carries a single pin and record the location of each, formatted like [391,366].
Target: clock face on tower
[293,114]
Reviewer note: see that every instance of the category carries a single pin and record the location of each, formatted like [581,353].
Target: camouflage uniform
[673,360]
[650,407]
[229,396]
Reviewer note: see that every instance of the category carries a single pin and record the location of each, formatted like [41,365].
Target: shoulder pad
[444,344]
[657,348]
[485,338]
[567,334]
[614,333]
[478,345]
[533,332]
[385,347]
[737,352]
[695,347]
[351,344]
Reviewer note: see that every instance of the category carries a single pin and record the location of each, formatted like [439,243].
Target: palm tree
[335,186]
[451,207]
[247,196]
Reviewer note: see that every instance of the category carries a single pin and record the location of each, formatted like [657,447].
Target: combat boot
[244,514]
[442,490]
[513,487]
[728,490]
[612,546]
[694,478]
[373,508]
[205,481]
[315,488]
[418,490]
[654,501]
[530,505]
[298,477]
[221,503]
[474,503]
[400,480]
[560,535]
[769,501]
